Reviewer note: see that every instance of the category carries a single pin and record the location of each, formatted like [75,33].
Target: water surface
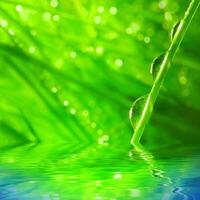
[102,172]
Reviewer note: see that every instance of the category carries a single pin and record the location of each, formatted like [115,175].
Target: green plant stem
[176,41]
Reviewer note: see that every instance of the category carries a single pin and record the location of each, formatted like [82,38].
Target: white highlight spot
[47,16]
[31,49]
[113,10]
[117,175]
[119,62]
[135,192]
[146,39]
[4,23]
[54,89]
[73,54]
[65,103]
[54,3]
[11,32]
[100,9]
[162,4]
[19,8]
[97,19]
[73,111]
[99,50]
[103,140]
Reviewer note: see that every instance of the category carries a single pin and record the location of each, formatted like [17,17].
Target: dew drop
[162,4]
[54,3]
[174,30]
[168,16]
[31,49]
[135,192]
[11,32]
[117,175]
[103,140]
[4,23]
[97,19]
[155,66]
[100,9]
[65,103]
[113,10]
[54,89]
[46,16]
[129,30]
[73,111]
[119,62]
[147,39]
[73,54]
[99,50]
[19,8]
[138,110]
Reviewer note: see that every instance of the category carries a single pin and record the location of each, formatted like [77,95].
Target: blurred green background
[70,70]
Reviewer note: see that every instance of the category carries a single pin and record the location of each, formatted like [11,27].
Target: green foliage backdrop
[70,70]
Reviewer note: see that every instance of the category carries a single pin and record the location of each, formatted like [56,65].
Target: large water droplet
[156,64]
[174,29]
[141,108]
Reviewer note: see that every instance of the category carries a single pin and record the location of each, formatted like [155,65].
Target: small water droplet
[46,16]
[31,49]
[73,54]
[19,8]
[99,50]
[73,111]
[65,103]
[103,140]
[100,9]
[97,19]
[54,89]
[93,125]
[174,29]
[135,192]
[156,64]
[162,4]
[54,3]
[168,16]
[129,30]
[119,62]
[4,23]
[11,32]
[113,10]
[138,109]
[117,175]
[146,39]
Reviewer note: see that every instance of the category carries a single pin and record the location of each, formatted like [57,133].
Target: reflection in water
[47,172]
